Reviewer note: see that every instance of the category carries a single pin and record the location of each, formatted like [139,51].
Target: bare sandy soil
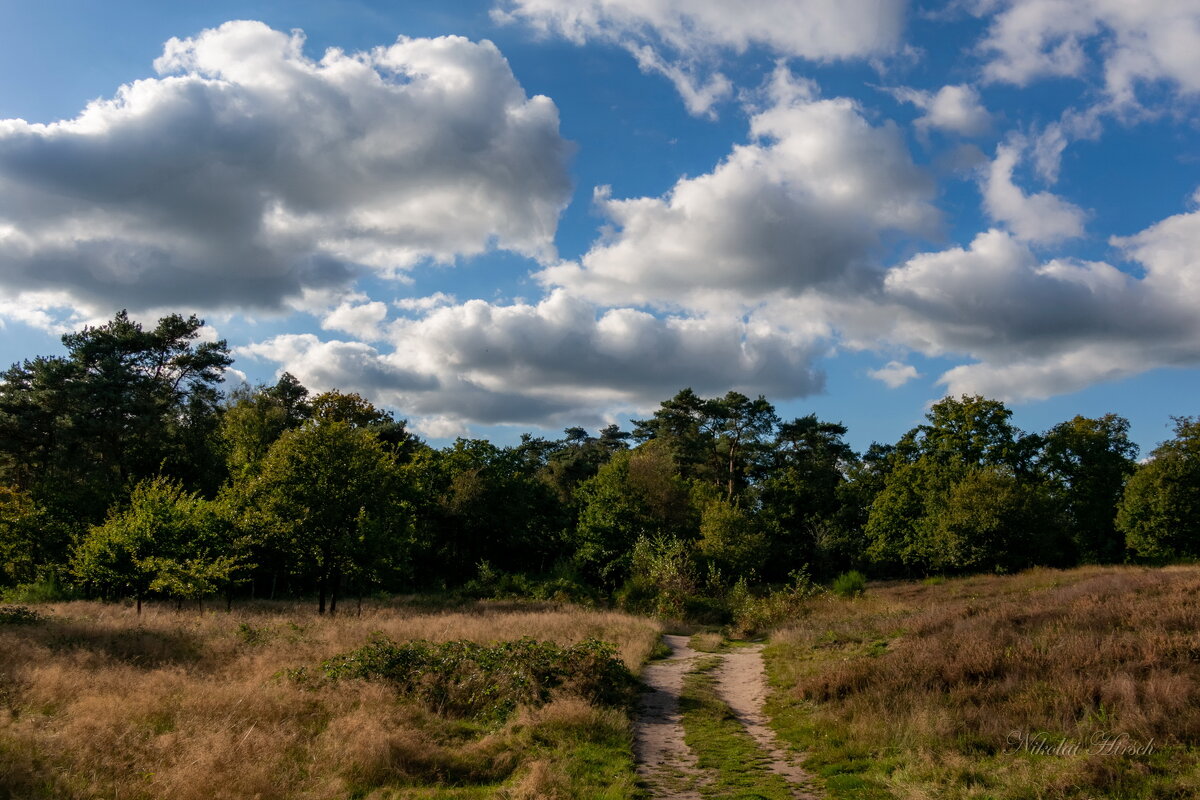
[742,683]
[665,763]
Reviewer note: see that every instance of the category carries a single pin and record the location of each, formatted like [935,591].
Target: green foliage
[1088,462]
[125,403]
[167,540]
[663,577]
[1160,511]
[32,542]
[757,613]
[850,584]
[636,494]
[468,679]
[328,491]
[962,495]
[729,538]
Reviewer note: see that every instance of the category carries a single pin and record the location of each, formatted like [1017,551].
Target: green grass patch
[722,745]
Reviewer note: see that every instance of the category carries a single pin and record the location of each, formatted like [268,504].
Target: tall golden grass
[98,702]
[943,681]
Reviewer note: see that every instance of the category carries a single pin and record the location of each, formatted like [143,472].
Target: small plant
[850,584]
[251,634]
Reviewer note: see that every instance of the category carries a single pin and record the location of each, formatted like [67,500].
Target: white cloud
[1041,217]
[361,320]
[561,359]
[894,374]
[425,303]
[248,173]
[1038,329]
[802,205]
[955,108]
[683,39]
[1137,43]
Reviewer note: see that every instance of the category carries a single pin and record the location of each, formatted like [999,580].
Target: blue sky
[519,215]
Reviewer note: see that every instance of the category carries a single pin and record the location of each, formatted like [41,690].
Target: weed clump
[850,584]
[468,679]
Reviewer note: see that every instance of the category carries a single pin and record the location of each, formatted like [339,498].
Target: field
[1049,684]
[100,703]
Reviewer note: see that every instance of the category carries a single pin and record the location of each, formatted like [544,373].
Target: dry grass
[929,690]
[96,702]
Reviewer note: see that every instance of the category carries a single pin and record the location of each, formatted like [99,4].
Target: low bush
[850,584]
[755,614]
[18,615]
[467,679]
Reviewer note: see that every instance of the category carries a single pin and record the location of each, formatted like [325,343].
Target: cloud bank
[248,173]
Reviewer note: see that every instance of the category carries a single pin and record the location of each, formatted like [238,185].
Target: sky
[521,215]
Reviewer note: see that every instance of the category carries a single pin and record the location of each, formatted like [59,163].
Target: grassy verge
[722,745]
[97,702]
[1075,685]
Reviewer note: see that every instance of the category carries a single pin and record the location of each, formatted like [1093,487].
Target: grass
[722,745]
[97,702]
[999,687]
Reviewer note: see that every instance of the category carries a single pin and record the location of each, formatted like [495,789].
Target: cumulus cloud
[954,108]
[803,205]
[248,173]
[561,359]
[894,374]
[1136,42]
[1041,217]
[682,39]
[1036,329]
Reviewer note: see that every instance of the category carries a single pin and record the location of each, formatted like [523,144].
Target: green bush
[468,679]
[48,590]
[850,584]
[755,614]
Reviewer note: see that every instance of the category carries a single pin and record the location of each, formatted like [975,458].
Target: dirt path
[665,763]
[742,683]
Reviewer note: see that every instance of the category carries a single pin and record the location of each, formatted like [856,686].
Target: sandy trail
[742,683]
[665,763]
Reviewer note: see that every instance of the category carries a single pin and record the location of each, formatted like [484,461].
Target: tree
[1159,513]
[166,540]
[124,404]
[32,545]
[329,492]
[718,440]
[800,495]
[636,494]
[1088,462]
[254,419]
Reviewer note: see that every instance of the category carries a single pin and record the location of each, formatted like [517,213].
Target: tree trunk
[333,592]
[139,603]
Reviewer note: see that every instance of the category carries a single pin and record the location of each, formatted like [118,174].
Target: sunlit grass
[946,689]
[98,702]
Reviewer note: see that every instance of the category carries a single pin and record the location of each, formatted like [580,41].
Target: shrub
[755,614]
[467,679]
[850,584]
[18,615]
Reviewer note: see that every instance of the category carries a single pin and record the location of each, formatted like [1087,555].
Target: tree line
[126,472]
